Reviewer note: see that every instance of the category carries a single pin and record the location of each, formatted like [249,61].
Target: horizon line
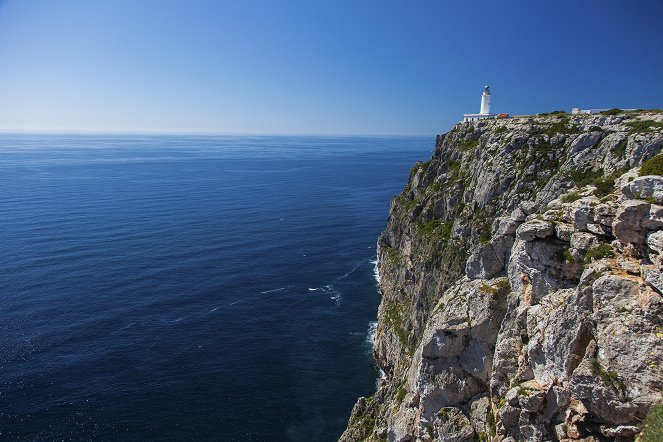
[203,133]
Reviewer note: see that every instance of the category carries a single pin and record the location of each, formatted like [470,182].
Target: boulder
[453,426]
[648,187]
[489,259]
[535,229]
[627,226]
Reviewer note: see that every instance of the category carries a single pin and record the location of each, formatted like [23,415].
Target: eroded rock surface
[521,273]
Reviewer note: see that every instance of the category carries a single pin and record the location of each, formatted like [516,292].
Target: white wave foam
[369,341]
[312,290]
[273,290]
[214,309]
[376,271]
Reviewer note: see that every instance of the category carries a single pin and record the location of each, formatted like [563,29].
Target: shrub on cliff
[653,166]
[653,426]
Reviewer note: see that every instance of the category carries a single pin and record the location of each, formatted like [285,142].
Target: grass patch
[613,111]
[604,185]
[644,125]
[436,229]
[400,394]
[468,145]
[454,166]
[601,251]
[581,178]
[395,321]
[485,236]
[500,130]
[653,166]
[394,256]
[564,255]
[556,112]
[560,127]
[571,197]
[436,186]
[652,430]
[611,378]
[406,203]
[620,148]
[490,421]
[420,165]
[366,425]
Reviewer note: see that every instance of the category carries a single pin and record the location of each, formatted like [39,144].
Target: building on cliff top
[484,112]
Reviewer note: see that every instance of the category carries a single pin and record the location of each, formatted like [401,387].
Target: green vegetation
[566,253]
[613,111]
[394,256]
[498,288]
[406,203]
[653,166]
[436,186]
[454,166]
[556,112]
[644,125]
[598,252]
[400,394]
[437,229]
[490,421]
[560,127]
[620,148]
[485,236]
[652,430]
[523,391]
[468,145]
[571,197]
[395,319]
[595,129]
[611,378]
[581,178]
[500,130]
[604,184]
[366,425]
[420,165]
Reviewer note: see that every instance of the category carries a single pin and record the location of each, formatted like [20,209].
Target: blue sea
[190,287]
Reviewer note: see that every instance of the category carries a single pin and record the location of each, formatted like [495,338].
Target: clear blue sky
[318,67]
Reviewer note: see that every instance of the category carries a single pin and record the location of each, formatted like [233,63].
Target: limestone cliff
[521,285]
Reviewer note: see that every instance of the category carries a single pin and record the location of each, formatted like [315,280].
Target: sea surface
[190,287]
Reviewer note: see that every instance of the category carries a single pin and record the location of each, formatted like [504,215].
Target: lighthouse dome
[486,90]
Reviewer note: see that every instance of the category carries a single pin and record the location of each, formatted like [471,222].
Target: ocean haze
[189,287]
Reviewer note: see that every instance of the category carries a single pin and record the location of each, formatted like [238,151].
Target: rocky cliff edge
[521,283]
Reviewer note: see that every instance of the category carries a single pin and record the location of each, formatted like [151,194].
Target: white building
[577,110]
[484,111]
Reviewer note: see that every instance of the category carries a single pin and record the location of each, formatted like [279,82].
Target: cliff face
[521,279]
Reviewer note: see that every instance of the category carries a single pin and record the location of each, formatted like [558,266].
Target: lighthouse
[484,113]
[485,101]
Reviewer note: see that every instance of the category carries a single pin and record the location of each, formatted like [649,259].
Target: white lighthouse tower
[484,113]
[485,101]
